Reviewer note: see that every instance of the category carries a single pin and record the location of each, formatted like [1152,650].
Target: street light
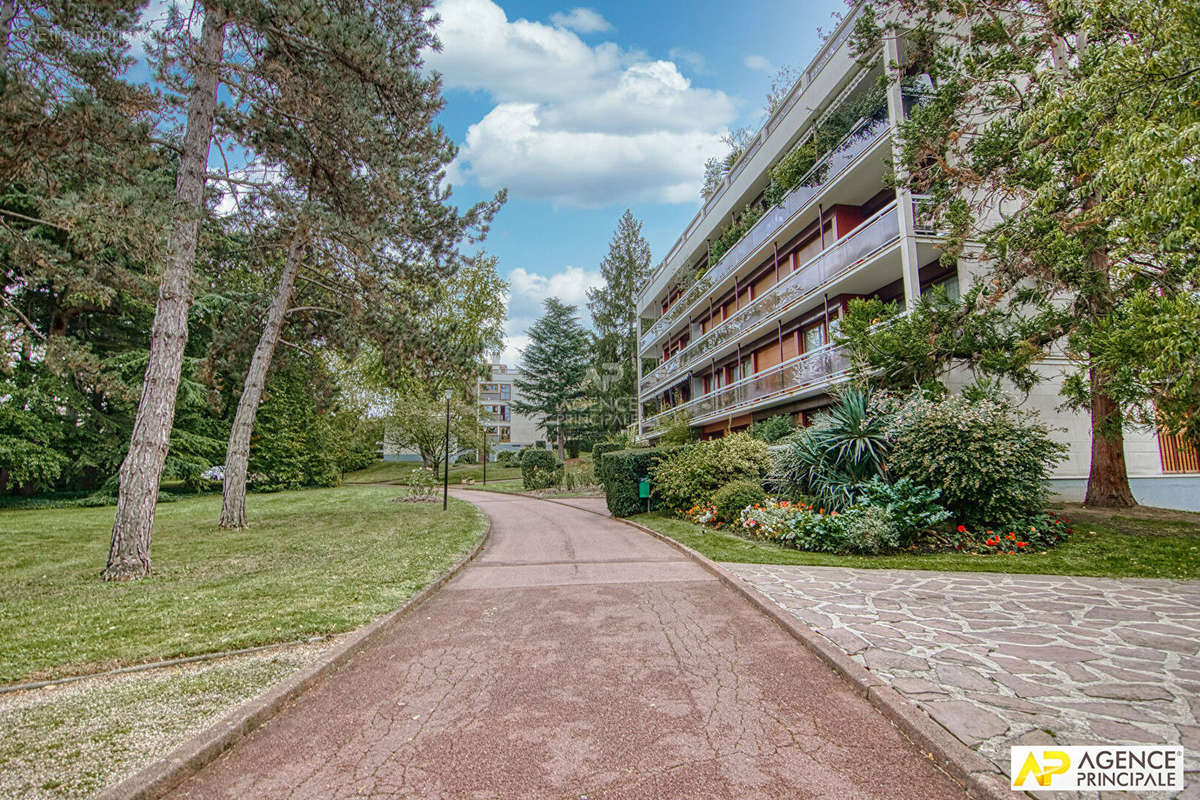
[446,469]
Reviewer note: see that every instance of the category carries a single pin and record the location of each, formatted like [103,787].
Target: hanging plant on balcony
[797,167]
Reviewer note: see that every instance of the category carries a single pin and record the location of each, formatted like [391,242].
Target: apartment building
[750,334]
[506,429]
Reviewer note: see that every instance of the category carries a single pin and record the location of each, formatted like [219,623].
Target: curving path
[577,657]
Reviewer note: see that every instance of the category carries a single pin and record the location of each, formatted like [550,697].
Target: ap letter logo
[1054,762]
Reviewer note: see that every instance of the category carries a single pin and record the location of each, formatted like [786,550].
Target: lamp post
[446,468]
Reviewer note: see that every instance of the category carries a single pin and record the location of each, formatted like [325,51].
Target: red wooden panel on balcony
[1178,454]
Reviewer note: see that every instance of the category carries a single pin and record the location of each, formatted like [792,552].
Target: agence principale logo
[1112,767]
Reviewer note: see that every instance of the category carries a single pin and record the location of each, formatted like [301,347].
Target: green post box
[644,490]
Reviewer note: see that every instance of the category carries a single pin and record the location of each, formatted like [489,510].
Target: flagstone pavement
[1003,659]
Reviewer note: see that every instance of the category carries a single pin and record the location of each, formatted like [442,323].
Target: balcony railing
[829,168]
[831,263]
[808,370]
[823,56]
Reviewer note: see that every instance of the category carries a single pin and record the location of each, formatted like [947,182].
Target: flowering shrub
[1036,535]
[540,469]
[989,461]
[859,529]
[688,477]
[781,522]
[702,515]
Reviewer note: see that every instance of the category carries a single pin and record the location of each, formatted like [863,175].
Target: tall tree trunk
[562,442]
[237,454]
[141,471]
[1108,481]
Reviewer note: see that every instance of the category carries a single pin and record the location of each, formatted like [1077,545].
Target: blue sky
[582,112]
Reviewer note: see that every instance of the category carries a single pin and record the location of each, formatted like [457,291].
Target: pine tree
[553,368]
[361,180]
[613,307]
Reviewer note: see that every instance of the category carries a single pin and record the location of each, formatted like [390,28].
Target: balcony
[832,45]
[842,257]
[831,167]
[807,372]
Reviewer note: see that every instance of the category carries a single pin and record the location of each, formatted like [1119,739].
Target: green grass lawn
[397,471]
[1117,547]
[314,562]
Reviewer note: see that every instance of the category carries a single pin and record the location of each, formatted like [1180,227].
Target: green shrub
[914,509]
[505,458]
[622,470]
[690,476]
[858,529]
[572,448]
[540,469]
[772,429]
[598,451]
[678,430]
[845,447]
[578,479]
[989,461]
[731,498]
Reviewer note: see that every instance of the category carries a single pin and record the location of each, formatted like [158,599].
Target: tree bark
[237,454]
[1108,481]
[8,12]
[141,471]
[562,442]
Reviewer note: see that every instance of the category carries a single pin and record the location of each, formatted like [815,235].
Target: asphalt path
[577,657]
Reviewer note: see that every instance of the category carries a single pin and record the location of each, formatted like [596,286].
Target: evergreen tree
[553,368]
[613,306]
[1073,117]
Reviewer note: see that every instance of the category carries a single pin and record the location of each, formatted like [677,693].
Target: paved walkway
[577,657]
[1017,659]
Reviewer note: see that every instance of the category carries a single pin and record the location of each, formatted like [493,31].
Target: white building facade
[750,335]
[506,429]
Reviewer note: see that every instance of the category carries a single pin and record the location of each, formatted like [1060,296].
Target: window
[814,336]
[506,391]
[950,284]
[505,434]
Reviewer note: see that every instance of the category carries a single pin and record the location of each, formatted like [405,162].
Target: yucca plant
[844,448]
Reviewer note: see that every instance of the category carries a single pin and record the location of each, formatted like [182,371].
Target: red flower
[962,528]
[1022,544]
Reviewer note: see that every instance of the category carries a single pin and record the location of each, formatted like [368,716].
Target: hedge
[622,470]
[598,450]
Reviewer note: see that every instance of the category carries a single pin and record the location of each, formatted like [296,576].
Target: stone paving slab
[1016,659]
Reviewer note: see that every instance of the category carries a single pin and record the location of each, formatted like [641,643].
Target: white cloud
[689,57]
[581,20]
[510,147]
[529,290]
[758,62]
[575,123]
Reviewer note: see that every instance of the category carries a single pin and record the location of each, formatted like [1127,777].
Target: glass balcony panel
[789,377]
[830,167]
[828,265]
